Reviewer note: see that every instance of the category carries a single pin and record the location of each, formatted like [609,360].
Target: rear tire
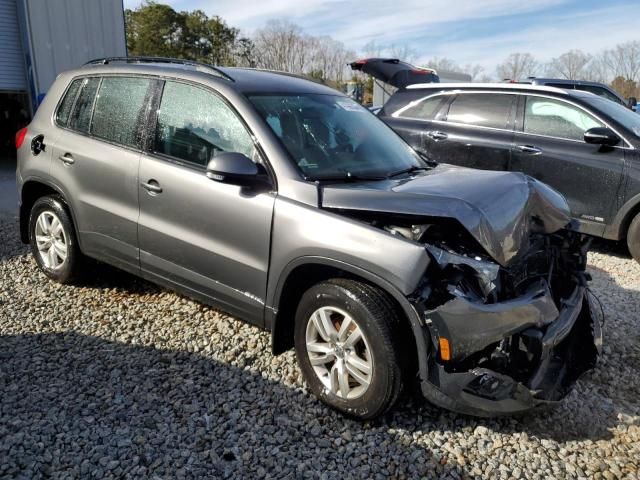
[346,341]
[633,238]
[53,239]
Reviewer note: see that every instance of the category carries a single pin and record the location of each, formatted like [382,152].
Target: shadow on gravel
[93,408]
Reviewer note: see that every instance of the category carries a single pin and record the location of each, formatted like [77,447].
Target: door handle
[438,135]
[530,149]
[67,159]
[152,187]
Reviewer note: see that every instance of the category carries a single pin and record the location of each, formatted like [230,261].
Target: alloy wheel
[51,240]
[339,352]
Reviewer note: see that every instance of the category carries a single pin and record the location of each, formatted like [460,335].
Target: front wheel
[346,345]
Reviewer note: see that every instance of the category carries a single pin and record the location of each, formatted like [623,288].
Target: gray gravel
[119,378]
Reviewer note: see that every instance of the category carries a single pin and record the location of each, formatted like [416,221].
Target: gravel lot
[119,378]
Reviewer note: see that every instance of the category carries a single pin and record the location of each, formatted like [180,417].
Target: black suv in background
[583,145]
[596,88]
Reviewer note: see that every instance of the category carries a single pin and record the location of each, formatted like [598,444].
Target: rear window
[119,109]
[80,119]
[481,109]
[64,110]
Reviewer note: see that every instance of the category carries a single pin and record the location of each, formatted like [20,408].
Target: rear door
[208,237]
[96,157]
[549,145]
[476,131]
[411,113]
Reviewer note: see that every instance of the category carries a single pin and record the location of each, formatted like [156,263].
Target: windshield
[334,137]
[620,114]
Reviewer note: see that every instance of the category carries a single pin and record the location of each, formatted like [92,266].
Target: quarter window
[481,109]
[194,125]
[62,117]
[553,118]
[119,107]
[80,119]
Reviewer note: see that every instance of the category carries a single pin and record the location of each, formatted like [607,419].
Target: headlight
[414,232]
[486,271]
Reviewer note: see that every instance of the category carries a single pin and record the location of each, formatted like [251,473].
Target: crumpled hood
[499,209]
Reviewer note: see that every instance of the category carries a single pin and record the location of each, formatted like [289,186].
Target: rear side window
[119,110]
[424,108]
[554,118]
[64,110]
[481,109]
[80,119]
[195,124]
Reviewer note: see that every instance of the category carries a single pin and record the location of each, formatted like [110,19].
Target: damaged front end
[506,339]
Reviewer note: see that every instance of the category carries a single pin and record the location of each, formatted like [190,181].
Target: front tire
[53,239]
[346,340]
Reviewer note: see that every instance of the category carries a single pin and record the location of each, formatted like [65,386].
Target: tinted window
[545,116]
[617,112]
[424,108]
[194,125]
[600,91]
[62,117]
[81,116]
[486,110]
[119,106]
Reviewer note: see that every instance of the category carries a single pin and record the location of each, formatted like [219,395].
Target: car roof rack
[173,61]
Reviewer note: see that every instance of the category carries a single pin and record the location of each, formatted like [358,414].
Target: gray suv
[289,205]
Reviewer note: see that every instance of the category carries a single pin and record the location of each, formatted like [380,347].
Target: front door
[210,238]
[550,146]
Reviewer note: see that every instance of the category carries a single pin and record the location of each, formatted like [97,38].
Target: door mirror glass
[234,168]
[632,102]
[601,136]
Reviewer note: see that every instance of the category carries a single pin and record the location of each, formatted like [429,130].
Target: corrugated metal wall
[67,33]
[11,57]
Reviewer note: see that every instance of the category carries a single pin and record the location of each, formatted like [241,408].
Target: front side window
[195,124]
[622,115]
[119,106]
[481,109]
[333,137]
[62,115]
[80,119]
[554,118]
[424,108]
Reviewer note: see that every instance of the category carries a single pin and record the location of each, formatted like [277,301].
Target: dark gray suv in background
[289,205]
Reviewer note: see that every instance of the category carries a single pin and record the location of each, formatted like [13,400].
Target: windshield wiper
[411,169]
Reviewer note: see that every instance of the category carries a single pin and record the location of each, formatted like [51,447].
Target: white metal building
[41,38]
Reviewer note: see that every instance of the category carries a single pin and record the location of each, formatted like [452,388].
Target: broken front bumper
[557,345]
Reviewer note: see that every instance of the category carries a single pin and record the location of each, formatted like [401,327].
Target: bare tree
[624,60]
[403,52]
[474,70]
[442,63]
[597,70]
[280,45]
[570,65]
[516,66]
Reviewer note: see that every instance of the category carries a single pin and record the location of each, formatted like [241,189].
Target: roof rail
[174,61]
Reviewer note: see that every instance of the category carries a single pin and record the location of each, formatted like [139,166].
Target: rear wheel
[346,346]
[53,240]
[633,238]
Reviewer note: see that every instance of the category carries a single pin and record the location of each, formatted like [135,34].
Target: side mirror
[632,102]
[601,136]
[235,168]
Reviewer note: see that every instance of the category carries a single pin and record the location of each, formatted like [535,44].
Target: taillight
[20,137]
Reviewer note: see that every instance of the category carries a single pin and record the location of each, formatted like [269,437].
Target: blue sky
[467,31]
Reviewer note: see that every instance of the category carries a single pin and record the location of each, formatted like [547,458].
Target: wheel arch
[617,230]
[302,273]
[30,192]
